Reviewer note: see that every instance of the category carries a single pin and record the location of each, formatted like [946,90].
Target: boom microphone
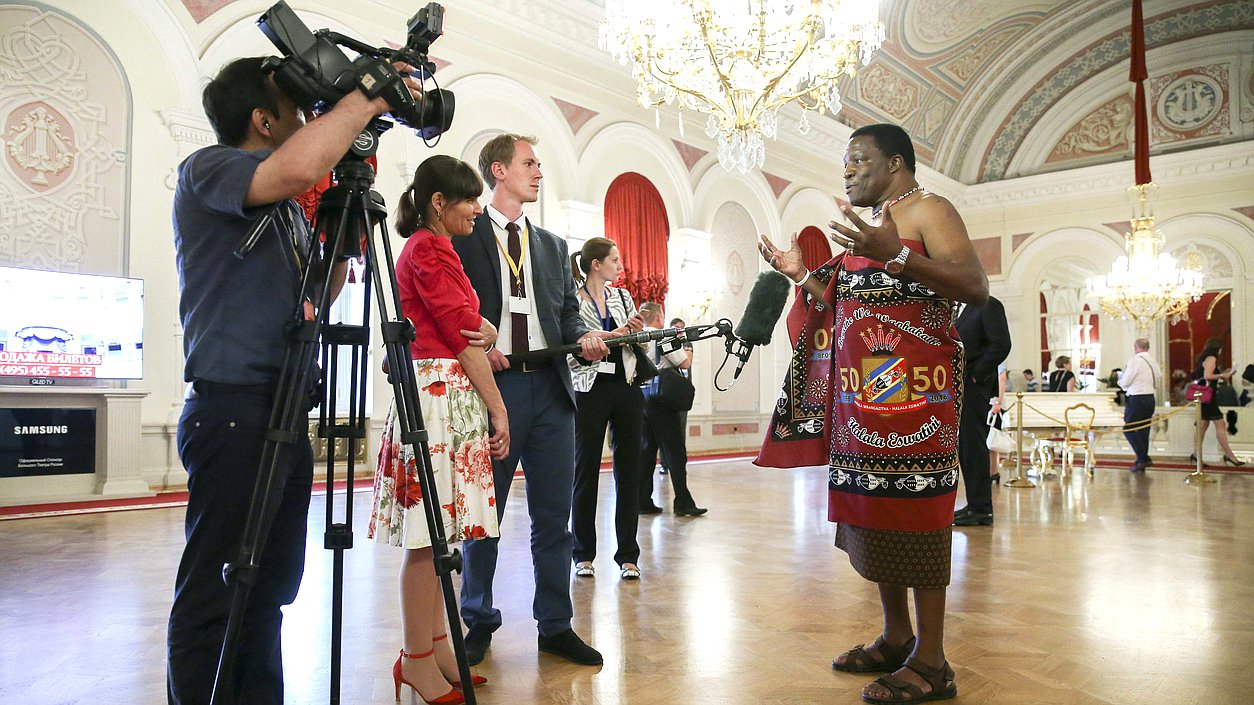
[763,310]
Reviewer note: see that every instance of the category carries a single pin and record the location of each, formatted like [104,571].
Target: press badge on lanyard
[518,304]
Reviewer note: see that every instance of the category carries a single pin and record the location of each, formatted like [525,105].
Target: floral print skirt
[457,429]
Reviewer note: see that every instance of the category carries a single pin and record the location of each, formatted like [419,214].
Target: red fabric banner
[635,218]
[815,249]
[1137,74]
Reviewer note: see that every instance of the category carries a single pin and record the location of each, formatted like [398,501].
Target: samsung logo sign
[39,430]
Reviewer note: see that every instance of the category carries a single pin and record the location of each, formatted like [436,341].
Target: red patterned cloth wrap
[873,391]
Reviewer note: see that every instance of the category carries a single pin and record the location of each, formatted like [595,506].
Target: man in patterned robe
[874,392]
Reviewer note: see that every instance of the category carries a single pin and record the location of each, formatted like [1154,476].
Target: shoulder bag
[1201,393]
[675,390]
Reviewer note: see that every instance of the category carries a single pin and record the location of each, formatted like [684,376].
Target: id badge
[518,304]
[605,368]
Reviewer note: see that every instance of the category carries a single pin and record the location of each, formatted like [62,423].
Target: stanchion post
[1197,477]
[1020,479]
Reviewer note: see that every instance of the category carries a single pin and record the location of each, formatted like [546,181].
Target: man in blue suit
[522,276]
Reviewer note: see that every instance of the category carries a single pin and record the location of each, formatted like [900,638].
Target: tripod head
[341,221]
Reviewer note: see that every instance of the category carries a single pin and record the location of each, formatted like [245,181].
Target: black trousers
[664,431]
[1137,408]
[220,438]
[973,449]
[612,402]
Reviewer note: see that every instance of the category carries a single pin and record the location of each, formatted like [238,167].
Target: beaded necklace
[875,212]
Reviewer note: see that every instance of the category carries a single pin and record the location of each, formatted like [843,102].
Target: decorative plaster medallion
[1190,102]
[39,146]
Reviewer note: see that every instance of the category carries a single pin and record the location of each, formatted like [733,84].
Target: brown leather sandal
[941,680]
[859,660]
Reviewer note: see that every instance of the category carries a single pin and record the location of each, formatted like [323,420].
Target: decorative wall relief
[1103,131]
[64,119]
[1190,104]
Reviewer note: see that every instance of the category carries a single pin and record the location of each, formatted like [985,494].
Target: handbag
[675,390]
[1201,393]
[998,440]
[645,369]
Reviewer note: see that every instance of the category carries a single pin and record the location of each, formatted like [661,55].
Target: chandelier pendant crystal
[1144,284]
[741,61]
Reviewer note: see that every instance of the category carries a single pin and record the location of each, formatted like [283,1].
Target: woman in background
[1062,379]
[607,393]
[1207,372]
[457,395]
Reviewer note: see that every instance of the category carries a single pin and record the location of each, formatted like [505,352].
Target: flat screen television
[72,326]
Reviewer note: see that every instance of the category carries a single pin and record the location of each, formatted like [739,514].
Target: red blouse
[436,296]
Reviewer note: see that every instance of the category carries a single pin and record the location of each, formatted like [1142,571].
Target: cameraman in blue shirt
[234,313]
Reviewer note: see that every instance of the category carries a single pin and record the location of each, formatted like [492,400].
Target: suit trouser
[664,431]
[542,437]
[612,402]
[220,438]
[1138,408]
[973,450]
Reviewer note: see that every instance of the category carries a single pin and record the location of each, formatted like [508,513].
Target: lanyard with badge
[607,323]
[517,304]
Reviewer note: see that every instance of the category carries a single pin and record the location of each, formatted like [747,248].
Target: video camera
[315,73]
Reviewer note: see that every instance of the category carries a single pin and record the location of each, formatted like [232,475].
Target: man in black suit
[985,343]
[522,276]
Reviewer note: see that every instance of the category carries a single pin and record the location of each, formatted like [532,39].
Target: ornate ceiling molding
[1235,161]
[1184,24]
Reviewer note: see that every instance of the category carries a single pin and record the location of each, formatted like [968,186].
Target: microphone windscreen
[766,304]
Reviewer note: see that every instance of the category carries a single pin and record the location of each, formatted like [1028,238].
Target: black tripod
[351,217]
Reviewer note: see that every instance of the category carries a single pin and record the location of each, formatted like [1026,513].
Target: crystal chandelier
[1145,284]
[740,61]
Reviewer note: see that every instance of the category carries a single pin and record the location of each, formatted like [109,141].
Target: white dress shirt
[505,331]
[1140,375]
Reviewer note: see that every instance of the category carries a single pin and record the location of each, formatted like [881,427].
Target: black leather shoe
[693,511]
[569,646]
[962,512]
[974,519]
[1137,467]
[650,509]
[477,642]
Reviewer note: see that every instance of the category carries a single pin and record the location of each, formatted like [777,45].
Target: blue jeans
[220,439]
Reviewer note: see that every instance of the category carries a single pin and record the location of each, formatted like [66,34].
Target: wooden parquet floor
[1122,589]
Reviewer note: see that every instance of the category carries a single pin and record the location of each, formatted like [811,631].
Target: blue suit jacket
[551,284]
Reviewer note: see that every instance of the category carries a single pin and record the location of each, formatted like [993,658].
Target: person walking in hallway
[664,428]
[521,274]
[1139,380]
[985,335]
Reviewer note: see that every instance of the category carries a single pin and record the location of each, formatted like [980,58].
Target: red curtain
[1208,317]
[815,250]
[635,218]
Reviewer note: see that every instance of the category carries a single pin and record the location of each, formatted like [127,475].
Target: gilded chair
[1079,436]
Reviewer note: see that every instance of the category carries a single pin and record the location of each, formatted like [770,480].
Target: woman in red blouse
[457,395]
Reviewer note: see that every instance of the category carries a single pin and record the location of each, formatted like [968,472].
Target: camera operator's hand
[485,337]
[593,347]
[388,86]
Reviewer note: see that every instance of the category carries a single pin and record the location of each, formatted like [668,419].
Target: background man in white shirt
[1139,379]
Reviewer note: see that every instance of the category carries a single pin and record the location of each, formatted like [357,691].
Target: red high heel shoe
[475,679]
[453,697]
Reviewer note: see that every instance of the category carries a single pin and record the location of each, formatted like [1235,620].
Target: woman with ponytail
[607,394]
[458,396]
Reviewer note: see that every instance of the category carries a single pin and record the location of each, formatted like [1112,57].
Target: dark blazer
[985,338]
[551,284]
